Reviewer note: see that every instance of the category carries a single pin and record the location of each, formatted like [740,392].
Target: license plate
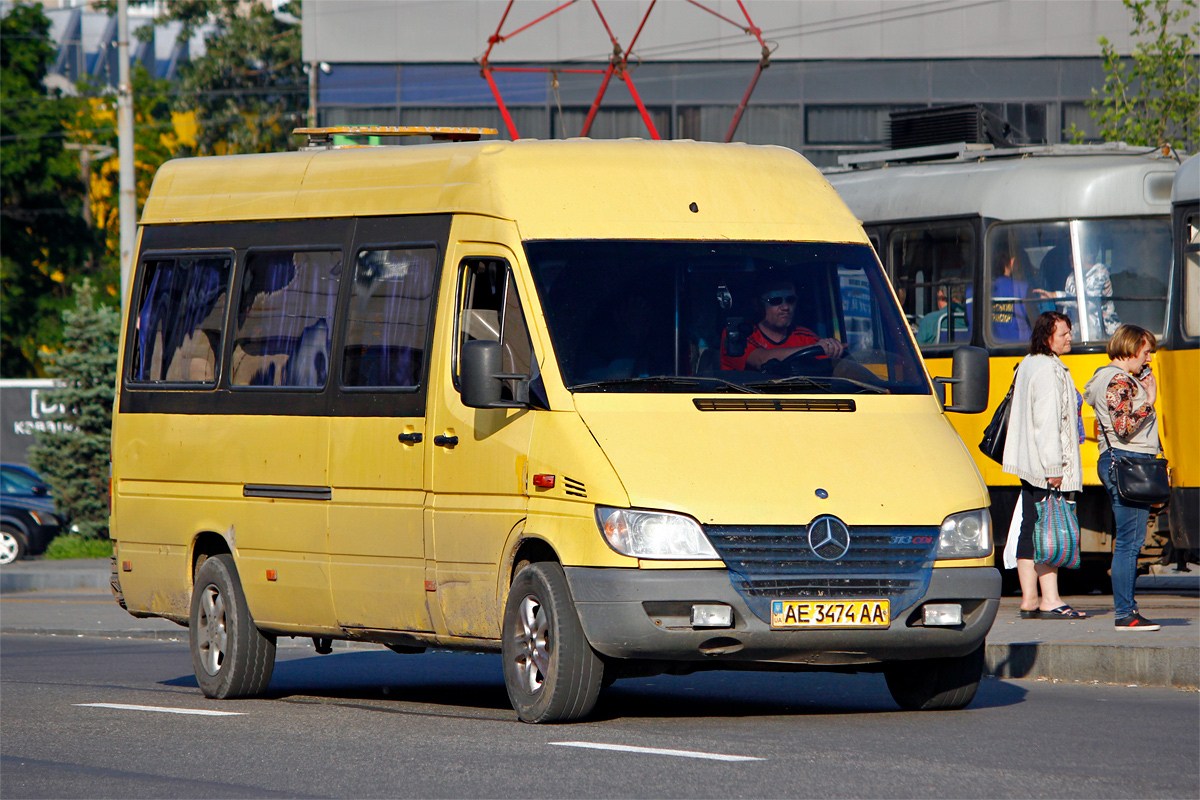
[830,613]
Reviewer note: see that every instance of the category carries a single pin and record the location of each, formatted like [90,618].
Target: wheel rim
[211,634]
[533,644]
[8,548]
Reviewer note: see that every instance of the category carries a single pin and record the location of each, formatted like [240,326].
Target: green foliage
[155,140]
[1153,98]
[72,545]
[74,460]
[249,89]
[43,238]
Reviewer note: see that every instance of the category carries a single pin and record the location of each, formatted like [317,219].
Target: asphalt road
[370,723]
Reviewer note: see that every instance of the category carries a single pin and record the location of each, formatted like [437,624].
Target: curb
[12,582]
[166,636]
[1174,667]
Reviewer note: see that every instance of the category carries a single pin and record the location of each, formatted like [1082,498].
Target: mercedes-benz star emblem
[829,538]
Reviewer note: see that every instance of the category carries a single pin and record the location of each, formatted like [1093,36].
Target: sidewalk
[72,598]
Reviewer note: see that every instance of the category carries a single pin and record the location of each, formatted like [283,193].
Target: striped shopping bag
[1056,533]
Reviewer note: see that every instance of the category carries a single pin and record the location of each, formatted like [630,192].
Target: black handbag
[1140,480]
[996,433]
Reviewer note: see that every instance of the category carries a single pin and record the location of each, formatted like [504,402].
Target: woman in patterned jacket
[1123,395]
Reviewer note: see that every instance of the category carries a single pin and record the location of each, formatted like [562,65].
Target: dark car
[27,517]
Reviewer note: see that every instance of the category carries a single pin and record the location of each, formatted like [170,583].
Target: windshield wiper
[824,383]
[669,380]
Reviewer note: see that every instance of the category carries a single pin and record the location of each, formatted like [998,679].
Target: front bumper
[643,614]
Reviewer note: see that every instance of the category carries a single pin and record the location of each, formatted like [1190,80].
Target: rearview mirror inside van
[970,381]
[481,380]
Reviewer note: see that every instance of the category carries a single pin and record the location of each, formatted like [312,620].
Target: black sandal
[1062,612]
[1028,614]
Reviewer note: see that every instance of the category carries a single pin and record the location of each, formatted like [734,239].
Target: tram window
[1025,264]
[1191,278]
[1123,266]
[933,266]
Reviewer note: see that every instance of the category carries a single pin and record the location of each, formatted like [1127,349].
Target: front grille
[775,561]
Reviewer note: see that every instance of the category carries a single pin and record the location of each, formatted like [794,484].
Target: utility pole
[127,207]
[312,71]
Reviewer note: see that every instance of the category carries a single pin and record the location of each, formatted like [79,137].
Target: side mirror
[970,380]
[481,380]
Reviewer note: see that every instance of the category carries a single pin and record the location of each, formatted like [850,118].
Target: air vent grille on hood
[772,404]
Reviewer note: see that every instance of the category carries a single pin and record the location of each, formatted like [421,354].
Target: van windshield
[745,317]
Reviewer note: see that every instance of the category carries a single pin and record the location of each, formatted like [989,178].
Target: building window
[610,123]
[1028,120]
[1077,114]
[856,125]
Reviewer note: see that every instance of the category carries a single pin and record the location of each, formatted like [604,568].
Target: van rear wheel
[935,684]
[551,672]
[230,655]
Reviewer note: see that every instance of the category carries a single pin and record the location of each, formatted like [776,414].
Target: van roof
[1037,185]
[558,189]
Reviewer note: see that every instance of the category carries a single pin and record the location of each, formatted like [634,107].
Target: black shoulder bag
[996,433]
[1140,480]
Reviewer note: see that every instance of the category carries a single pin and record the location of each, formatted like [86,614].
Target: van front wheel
[551,672]
[935,684]
[230,655]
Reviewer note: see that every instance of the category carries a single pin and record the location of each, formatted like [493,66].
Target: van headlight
[653,534]
[966,535]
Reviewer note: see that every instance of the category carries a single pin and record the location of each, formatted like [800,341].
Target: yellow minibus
[473,395]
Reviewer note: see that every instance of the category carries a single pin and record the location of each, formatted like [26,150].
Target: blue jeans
[1131,533]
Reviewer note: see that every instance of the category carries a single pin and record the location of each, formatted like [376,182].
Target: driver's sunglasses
[780,299]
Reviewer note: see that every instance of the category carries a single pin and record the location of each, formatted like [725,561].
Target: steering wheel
[802,362]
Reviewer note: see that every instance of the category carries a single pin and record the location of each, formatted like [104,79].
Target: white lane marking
[199,712]
[658,751]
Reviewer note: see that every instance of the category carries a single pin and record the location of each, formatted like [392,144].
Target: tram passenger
[1098,304]
[1010,321]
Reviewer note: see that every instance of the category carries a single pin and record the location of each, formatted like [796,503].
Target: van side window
[388,318]
[285,318]
[177,338]
[933,269]
[490,309]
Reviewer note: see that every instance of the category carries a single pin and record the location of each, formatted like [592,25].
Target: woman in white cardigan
[1042,449]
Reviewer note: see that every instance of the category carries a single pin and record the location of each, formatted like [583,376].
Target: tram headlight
[653,534]
[966,535]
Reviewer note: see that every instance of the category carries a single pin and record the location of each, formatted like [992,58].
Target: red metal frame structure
[618,64]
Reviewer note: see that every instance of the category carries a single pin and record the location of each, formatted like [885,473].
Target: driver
[775,336]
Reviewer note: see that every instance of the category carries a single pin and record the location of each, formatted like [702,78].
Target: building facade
[837,68]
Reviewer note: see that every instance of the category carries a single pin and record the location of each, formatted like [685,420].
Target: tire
[551,672]
[12,544]
[230,655]
[935,684]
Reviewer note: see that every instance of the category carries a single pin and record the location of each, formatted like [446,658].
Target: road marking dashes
[199,712]
[658,751]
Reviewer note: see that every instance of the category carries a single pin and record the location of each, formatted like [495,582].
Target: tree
[1153,98]
[249,89]
[74,459]
[160,134]
[44,242]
